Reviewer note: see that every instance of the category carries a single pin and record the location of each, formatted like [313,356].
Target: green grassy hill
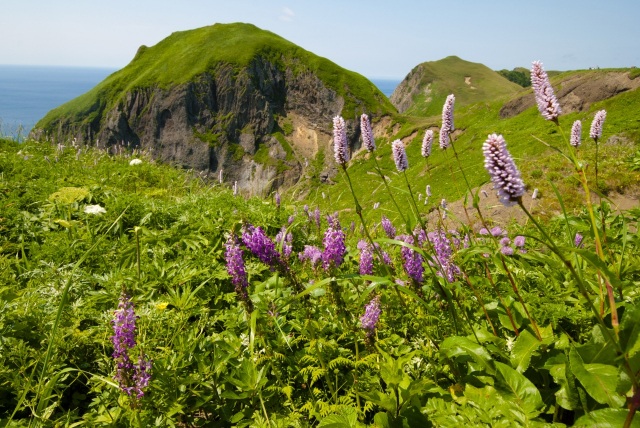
[185,55]
[425,88]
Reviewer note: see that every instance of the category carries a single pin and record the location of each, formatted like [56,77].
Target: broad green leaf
[386,401]
[524,347]
[340,421]
[457,347]
[606,418]
[519,389]
[599,380]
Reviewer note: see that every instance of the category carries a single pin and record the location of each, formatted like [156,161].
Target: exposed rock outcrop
[578,92]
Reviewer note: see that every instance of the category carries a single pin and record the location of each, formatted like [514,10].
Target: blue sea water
[386,86]
[27,93]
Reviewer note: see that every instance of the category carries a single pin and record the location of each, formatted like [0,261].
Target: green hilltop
[185,55]
[425,88]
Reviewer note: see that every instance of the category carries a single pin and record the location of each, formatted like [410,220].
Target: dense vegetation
[526,326]
[519,76]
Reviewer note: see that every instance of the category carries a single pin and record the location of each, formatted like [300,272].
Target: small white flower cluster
[94,210]
[135,162]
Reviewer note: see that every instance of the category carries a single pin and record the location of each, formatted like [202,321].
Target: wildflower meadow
[135,294]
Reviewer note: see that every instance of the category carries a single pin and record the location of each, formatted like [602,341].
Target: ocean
[27,93]
[386,86]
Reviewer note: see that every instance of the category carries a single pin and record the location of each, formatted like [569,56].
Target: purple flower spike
[427,142]
[334,248]
[311,253]
[576,134]
[367,134]
[260,245]
[235,267]
[366,257]
[132,379]
[596,125]
[444,253]
[399,155]
[285,240]
[124,327]
[371,315]
[412,260]
[545,98]
[388,227]
[502,169]
[577,240]
[340,146]
[141,376]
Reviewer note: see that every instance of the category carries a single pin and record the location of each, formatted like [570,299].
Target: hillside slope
[425,88]
[228,97]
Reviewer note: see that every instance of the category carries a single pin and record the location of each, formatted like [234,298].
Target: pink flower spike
[399,155]
[596,125]
[576,134]
[367,133]
[545,98]
[340,145]
[427,141]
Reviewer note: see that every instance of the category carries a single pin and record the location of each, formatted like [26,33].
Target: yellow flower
[162,306]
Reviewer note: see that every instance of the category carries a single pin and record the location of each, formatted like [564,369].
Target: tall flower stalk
[132,378]
[236,269]
[508,182]
[596,133]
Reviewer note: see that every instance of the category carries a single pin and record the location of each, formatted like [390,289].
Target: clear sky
[379,39]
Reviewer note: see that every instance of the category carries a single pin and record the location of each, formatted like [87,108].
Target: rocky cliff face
[220,120]
[402,97]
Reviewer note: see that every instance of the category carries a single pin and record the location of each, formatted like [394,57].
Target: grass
[448,76]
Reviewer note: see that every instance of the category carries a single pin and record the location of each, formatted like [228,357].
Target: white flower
[135,162]
[510,342]
[94,209]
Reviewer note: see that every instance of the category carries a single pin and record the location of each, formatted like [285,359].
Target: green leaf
[519,389]
[630,330]
[462,348]
[525,346]
[599,380]
[339,421]
[606,418]
[386,401]
[566,396]
[387,420]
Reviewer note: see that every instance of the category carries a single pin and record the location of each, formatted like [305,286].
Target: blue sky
[379,39]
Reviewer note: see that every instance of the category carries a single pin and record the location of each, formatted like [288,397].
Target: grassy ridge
[448,76]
